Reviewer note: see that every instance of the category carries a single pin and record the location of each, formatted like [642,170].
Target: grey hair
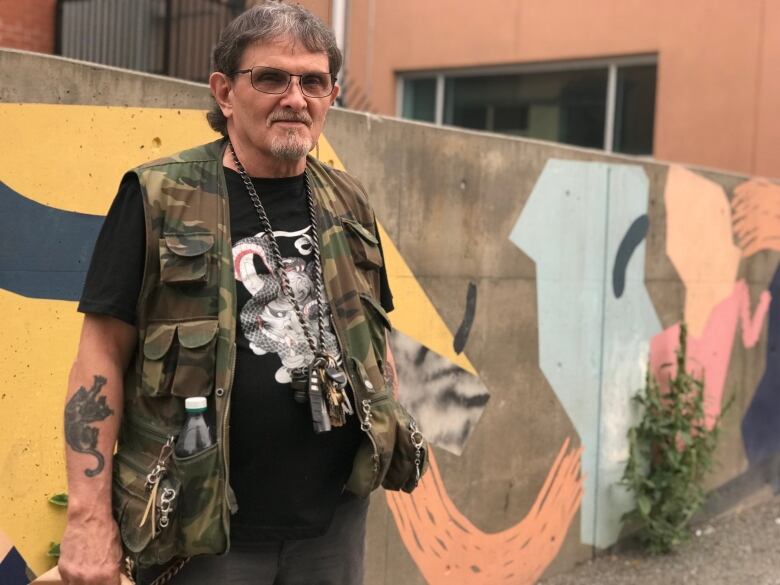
[269,21]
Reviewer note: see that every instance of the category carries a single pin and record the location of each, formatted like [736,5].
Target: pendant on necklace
[317,402]
[299,382]
[335,391]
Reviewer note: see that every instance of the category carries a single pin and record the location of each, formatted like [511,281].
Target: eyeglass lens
[270,80]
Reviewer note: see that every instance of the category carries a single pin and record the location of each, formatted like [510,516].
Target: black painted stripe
[634,236]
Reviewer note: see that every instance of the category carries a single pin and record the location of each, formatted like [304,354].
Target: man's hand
[90,552]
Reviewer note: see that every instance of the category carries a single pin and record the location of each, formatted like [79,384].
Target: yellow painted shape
[35,357]
[73,157]
[414,314]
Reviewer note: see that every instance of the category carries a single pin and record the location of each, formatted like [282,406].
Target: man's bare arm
[90,550]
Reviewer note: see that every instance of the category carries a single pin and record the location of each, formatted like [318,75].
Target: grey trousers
[336,558]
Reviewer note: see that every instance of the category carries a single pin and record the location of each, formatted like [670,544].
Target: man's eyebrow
[286,71]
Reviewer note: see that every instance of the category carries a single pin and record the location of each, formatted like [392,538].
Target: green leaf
[54,550]
[670,452]
[644,504]
[59,500]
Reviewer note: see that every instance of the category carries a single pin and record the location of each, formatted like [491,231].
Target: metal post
[167,37]
[339,23]
[609,119]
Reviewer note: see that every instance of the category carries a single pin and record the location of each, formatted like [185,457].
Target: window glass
[420,99]
[635,110]
[561,106]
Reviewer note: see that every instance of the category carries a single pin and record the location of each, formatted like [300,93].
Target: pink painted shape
[710,353]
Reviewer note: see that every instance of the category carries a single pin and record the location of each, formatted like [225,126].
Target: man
[246,273]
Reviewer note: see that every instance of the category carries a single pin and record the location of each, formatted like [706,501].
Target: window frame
[611,64]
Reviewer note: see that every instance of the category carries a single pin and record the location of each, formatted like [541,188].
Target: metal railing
[167,37]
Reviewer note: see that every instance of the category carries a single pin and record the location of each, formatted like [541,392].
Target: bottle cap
[195,404]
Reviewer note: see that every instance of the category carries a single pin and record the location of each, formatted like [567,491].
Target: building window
[606,105]
[420,99]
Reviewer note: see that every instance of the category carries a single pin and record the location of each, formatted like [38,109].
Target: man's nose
[293,97]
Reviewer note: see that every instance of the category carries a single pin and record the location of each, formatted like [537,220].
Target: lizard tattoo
[83,408]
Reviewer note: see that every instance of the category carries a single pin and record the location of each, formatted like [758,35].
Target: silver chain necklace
[322,382]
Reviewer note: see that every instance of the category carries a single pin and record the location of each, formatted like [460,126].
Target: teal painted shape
[593,346]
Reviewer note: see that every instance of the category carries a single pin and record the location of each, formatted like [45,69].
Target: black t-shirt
[287,479]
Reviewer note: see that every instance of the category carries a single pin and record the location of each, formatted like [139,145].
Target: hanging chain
[278,262]
[417,442]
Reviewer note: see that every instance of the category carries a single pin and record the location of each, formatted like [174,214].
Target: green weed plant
[671,451]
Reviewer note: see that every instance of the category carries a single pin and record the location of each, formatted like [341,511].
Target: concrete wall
[533,284]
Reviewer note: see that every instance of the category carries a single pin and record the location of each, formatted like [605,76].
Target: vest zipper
[150,431]
[226,448]
[130,463]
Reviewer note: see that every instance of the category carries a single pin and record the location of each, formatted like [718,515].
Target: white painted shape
[572,226]
[562,228]
[629,323]
[446,400]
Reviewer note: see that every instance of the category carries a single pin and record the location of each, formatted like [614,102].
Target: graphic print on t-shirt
[268,320]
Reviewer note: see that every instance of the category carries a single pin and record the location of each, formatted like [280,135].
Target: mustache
[289,116]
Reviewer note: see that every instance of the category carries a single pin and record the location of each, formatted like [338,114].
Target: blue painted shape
[13,569]
[46,251]
[761,423]
[593,346]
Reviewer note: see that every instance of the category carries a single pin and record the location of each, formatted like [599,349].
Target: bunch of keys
[323,384]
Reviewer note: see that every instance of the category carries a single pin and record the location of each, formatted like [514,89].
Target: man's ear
[220,88]
[335,94]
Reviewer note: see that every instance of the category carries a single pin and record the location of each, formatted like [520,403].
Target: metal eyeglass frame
[289,81]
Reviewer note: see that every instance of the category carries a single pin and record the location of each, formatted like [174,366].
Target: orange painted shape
[449,549]
[756,216]
[699,243]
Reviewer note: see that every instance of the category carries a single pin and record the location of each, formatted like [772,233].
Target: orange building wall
[718,86]
[27,25]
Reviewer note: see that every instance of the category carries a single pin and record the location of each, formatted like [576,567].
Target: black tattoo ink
[83,408]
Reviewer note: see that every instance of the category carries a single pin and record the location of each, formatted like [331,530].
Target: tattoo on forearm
[83,408]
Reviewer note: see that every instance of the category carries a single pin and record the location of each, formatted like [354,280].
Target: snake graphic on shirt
[268,319]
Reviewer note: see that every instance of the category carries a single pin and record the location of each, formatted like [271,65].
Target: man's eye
[313,81]
[269,77]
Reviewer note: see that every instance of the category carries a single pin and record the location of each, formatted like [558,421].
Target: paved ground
[740,548]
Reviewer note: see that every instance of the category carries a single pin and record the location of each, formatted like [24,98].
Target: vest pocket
[410,454]
[378,325]
[130,499]
[193,517]
[184,258]
[363,244]
[200,506]
[180,358]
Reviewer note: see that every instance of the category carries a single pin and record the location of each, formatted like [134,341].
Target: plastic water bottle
[196,435]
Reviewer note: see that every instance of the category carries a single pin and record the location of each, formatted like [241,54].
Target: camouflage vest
[167,506]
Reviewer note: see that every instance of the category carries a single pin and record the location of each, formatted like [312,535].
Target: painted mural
[756,221]
[701,247]
[586,228]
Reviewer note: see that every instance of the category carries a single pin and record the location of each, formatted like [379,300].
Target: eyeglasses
[277,81]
